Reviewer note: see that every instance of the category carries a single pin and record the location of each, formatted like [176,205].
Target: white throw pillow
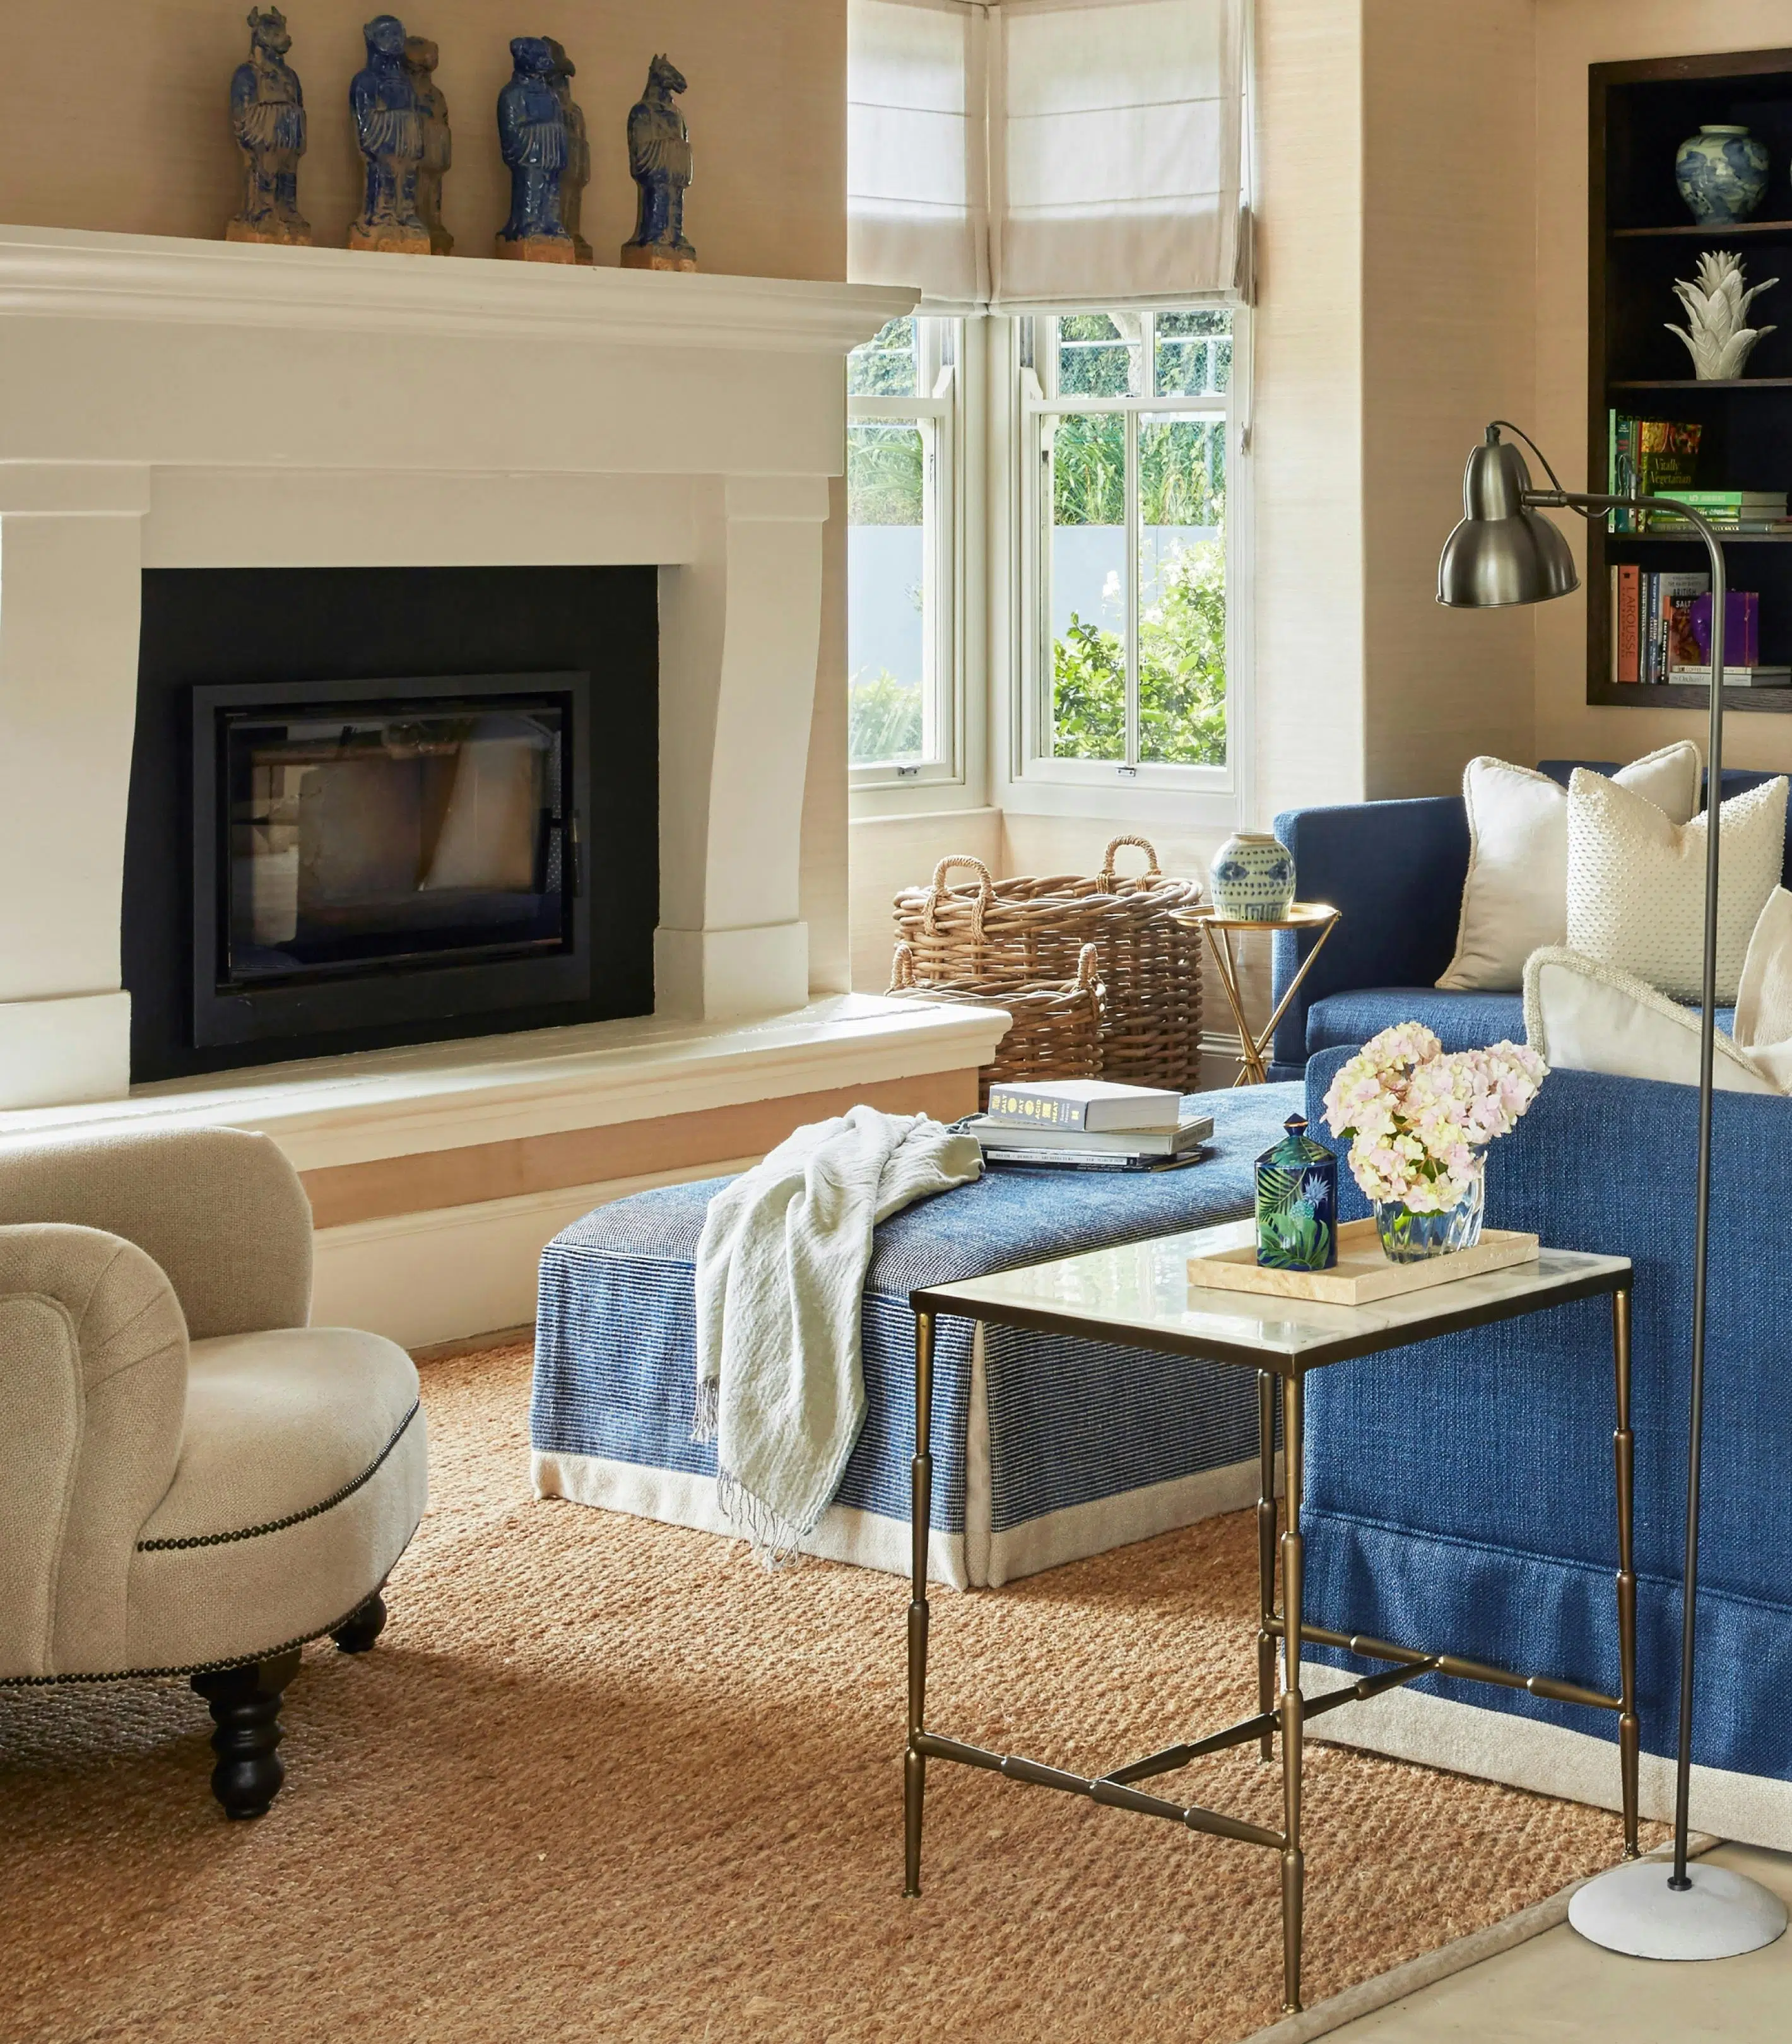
[1636,882]
[1581,1016]
[1515,898]
[1763,999]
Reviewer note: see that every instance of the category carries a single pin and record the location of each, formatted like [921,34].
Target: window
[904,714]
[1126,433]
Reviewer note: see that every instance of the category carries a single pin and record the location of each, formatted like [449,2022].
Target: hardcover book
[1090,1104]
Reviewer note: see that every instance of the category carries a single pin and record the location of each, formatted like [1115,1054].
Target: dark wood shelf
[1782,228]
[1678,695]
[1697,383]
[1697,539]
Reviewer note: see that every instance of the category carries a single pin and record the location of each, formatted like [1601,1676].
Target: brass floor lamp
[1502,552]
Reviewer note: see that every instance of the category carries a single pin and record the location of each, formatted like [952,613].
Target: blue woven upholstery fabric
[1460,1491]
[1071,1422]
[1460,1021]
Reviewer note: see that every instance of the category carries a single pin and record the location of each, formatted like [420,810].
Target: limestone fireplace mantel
[166,403]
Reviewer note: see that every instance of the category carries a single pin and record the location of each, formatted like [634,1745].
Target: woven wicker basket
[1054,1032]
[996,935]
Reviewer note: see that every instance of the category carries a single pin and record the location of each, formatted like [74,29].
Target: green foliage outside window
[1181,672]
[883,718]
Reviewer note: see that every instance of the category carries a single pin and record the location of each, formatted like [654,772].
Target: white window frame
[1037,779]
[939,358]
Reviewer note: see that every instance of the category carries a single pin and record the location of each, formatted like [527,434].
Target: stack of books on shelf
[1728,510]
[1089,1125]
[1661,632]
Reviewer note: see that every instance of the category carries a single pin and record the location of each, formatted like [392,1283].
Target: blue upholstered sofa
[1460,1491]
[1395,871]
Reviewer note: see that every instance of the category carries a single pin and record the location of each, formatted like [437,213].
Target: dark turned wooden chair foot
[245,1707]
[362,1627]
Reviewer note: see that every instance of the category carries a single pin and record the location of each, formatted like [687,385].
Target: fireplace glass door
[392,838]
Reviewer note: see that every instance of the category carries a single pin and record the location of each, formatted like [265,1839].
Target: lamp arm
[1588,502]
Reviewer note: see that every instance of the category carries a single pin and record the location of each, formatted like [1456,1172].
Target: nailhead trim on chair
[195,1667]
[292,1519]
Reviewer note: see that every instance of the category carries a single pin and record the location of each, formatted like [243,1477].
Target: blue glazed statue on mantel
[389,128]
[660,162]
[532,136]
[268,119]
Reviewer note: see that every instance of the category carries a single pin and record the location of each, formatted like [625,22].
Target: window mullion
[1132,516]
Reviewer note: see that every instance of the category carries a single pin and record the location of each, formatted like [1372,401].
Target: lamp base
[1632,1910]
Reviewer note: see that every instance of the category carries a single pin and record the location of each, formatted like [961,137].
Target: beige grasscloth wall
[1571,34]
[151,154]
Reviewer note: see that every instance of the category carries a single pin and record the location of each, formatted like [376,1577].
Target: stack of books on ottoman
[1089,1125]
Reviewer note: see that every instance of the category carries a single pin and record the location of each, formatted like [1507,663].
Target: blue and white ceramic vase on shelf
[1722,173]
[1253,876]
[1297,1203]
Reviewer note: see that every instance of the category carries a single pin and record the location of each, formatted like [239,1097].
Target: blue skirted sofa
[1395,871]
[1460,1492]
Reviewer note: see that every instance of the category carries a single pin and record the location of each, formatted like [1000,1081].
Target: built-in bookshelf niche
[1641,238]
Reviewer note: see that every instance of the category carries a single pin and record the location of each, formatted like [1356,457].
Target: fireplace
[385,851]
[369,805]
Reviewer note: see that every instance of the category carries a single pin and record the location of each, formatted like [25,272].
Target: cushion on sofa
[1636,882]
[1582,1016]
[1514,899]
[1460,1021]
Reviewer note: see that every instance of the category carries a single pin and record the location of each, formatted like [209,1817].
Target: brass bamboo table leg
[1265,1557]
[1291,1710]
[1303,917]
[1623,1448]
[921,1478]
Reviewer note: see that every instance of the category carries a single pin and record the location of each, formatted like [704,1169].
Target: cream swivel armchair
[193,1481]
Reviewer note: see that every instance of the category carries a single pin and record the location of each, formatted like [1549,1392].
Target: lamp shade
[1503,551]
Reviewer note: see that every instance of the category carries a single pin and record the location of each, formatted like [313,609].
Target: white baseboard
[452,1272]
[1498,1746]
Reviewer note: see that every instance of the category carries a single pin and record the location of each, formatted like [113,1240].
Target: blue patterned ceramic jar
[1298,1203]
[1722,173]
[1253,877]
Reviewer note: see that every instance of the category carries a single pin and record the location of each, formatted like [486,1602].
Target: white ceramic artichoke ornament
[1716,306]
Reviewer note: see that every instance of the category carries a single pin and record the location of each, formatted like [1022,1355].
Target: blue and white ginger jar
[1298,1203]
[1722,173]
[1253,879]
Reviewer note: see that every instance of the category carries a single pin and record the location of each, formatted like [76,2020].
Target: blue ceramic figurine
[420,58]
[389,128]
[659,161]
[1298,1203]
[577,174]
[531,136]
[267,118]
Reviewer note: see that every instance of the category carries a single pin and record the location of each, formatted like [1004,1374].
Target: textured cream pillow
[1636,882]
[1515,898]
[1580,1016]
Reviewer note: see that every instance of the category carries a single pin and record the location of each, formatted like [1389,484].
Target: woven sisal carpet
[605,1779]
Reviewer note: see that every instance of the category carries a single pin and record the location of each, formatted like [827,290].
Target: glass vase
[1407,1237]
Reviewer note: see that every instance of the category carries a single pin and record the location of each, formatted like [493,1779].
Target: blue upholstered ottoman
[1044,1449]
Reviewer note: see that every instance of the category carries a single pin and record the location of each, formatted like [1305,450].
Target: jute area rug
[605,1779]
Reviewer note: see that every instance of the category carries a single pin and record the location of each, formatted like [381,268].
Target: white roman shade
[917,155]
[1046,153]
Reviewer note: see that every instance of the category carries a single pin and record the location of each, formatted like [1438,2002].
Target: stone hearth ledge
[457,1162]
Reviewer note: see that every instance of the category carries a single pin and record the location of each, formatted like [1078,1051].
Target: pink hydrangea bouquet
[1419,1121]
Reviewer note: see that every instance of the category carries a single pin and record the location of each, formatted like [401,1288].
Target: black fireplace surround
[380,806]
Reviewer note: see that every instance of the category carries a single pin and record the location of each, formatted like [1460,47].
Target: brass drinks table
[1139,1296]
[1217,929]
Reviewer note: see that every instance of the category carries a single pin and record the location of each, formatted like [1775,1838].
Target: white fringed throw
[780,1275]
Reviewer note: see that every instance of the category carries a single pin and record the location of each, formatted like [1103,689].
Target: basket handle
[1144,845]
[903,970]
[1088,971]
[986,894]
